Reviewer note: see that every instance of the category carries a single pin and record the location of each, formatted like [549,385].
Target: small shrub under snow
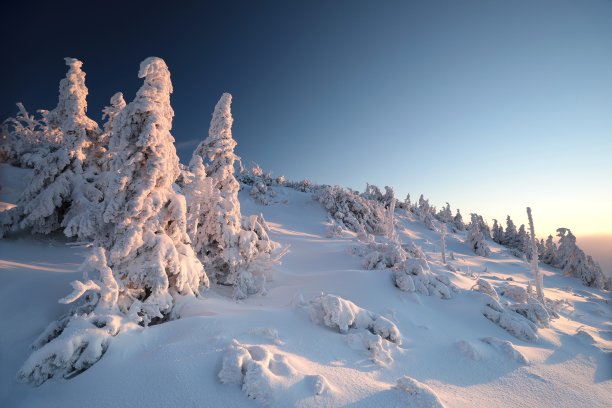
[341,314]
[420,394]
[506,348]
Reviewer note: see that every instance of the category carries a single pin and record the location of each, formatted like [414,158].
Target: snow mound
[467,349]
[420,394]
[263,374]
[341,314]
[506,348]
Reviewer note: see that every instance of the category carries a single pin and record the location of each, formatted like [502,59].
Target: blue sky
[490,105]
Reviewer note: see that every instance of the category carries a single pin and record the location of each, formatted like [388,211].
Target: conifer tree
[61,189]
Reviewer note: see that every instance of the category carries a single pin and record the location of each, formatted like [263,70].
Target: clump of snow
[506,348]
[420,394]
[341,314]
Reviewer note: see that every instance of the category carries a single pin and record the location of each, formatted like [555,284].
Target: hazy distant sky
[490,105]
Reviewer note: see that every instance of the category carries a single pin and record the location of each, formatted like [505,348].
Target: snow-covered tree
[573,261]
[238,250]
[219,233]
[109,113]
[62,191]
[537,275]
[445,215]
[550,251]
[498,232]
[425,212]
[406,204]
[458,221]
[476,238]
[510,235]
[522,240]
[144,219]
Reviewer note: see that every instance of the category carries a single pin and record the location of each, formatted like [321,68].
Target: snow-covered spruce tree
[144,228]
[498,232]
[445,215]
[537,275]
[550,251]
[573,261]
[406,204]
[109,113]
[510,236]
[484,227]
[425,213]
[476,239]
[523,241]
[238,250]
[458,221]
[62,189]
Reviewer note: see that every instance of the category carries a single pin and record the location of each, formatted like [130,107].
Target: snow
[450,353]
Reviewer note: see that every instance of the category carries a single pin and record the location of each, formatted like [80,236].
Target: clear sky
[490,105]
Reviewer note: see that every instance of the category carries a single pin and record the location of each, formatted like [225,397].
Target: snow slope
[268,347]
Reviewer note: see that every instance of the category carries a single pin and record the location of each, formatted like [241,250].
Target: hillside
[447,345]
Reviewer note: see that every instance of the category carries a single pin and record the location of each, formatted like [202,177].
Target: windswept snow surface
[450,353]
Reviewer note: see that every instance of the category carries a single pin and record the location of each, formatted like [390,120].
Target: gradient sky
[490,105]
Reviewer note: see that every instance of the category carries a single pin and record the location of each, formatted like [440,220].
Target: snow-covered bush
[62,189]
[532,310]
[351,210]
[27,137]
[342,315]
[476,237]
[514,292]
[514,323]
[484,286]
[506,348]
[76,341]
[238,250]
[420,394]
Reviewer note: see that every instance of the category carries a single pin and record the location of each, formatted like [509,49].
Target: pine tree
[498,232]
[62,190]
[574,262]
[237,249]
[458,221]
[522,240]
[550,251]
[445,215]
[510,236]
[476,238]
[144,227]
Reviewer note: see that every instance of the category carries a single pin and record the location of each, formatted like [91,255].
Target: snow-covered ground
[270,348]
